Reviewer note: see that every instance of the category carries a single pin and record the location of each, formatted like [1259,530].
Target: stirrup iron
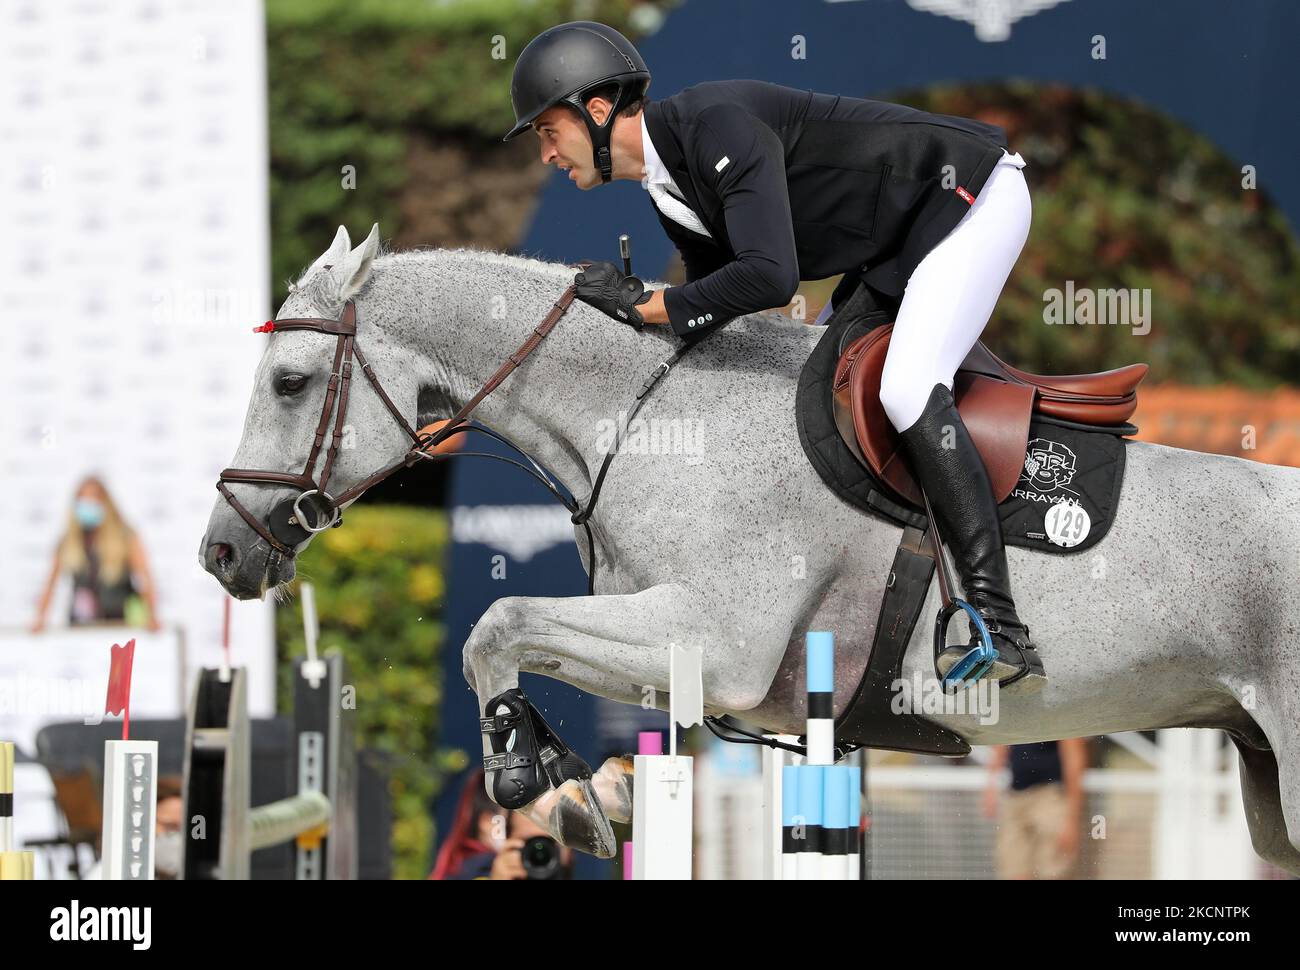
[977,662]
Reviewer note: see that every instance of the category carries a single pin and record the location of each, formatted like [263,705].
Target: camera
[541,857]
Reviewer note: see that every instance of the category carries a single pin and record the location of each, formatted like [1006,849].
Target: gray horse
[714,530]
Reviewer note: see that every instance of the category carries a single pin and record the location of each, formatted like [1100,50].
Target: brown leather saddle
[996,401]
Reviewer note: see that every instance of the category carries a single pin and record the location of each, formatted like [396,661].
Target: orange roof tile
[1222,420]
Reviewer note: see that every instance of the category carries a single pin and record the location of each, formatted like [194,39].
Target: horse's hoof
[573,816]
[613,784]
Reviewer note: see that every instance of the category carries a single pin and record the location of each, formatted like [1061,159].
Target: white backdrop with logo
[133,196]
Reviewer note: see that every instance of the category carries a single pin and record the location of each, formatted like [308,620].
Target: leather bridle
[292,521]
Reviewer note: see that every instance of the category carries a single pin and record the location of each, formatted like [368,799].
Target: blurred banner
[66,678]
[134,201]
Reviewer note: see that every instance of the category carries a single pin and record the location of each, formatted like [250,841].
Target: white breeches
[951,294]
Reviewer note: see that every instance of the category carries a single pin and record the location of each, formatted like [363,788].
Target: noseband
[294,520]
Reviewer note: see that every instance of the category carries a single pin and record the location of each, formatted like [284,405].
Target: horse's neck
[559,404]
[556,402]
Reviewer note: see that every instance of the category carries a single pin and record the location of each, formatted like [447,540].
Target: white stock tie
[675,209]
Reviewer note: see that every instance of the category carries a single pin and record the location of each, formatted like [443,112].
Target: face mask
[167,851]
[89,513]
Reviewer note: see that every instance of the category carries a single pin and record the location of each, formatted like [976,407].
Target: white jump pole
[777,852]
[663,786]
[130,809]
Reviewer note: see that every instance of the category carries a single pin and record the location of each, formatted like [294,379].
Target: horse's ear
[338,249]
[355,266]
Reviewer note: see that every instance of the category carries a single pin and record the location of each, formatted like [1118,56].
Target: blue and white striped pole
[820,647]
[811,779]
[789,819]
[855,823]
[835,829]
[815,833]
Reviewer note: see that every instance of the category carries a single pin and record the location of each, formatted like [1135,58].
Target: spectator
[106,560]
[486,841]
[1039,826]
[168,846]
[169,841]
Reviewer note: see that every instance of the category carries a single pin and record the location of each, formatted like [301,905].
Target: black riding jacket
[796,185]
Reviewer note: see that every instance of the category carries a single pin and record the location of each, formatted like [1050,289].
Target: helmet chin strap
[602,134]
[600,154]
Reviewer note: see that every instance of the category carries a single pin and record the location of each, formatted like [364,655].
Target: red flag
[119,684]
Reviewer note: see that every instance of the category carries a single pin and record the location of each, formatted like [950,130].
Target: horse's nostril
[222,556]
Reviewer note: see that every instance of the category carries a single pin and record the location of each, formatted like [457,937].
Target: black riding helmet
[562,64]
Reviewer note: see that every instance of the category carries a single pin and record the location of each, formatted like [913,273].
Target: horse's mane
[322,289]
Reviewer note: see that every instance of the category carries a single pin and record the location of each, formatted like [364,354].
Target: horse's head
[311,435]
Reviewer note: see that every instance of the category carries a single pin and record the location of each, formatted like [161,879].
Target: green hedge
[351,81]
[379,585]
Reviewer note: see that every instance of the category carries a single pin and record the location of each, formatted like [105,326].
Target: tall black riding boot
[949,469]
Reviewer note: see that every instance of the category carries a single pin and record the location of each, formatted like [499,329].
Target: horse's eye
[290,384]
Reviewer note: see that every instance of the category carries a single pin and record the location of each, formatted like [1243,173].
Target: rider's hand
[604,286]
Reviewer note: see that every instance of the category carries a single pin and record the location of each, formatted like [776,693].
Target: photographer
[488,842]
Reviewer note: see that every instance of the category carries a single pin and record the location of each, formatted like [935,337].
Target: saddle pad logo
[1049,465]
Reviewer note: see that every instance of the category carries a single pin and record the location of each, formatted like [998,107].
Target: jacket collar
[655,170]
[664,142]
[658,125]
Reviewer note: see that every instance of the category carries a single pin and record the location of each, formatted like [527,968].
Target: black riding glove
[604,286]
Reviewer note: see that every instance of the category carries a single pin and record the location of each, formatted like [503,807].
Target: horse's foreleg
[615,646]
[618,646]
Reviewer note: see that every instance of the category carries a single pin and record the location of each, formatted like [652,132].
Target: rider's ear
[354,268]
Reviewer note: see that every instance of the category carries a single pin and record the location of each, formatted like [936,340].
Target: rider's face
[566,143]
